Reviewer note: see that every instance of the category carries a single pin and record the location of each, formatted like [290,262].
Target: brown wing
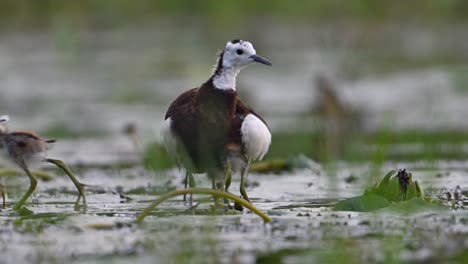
[182,104]
[26,134]
[183,125]
[31,135]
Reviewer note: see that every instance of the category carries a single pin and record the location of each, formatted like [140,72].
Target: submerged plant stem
[216,193]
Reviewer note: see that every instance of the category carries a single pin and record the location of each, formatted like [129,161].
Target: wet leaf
[365,203]
[393,191]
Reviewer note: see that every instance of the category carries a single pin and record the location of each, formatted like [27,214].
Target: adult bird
[210,130]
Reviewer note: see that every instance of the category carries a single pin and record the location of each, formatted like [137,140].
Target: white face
[239,53]
[4,118]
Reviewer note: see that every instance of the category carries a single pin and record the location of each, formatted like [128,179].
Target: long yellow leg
[228,176]
[216,186]
[3,193]
[223,185]
[192,184]
[32,186]
[79,186]
[185,185]
[242,183]
[190,181]
[227,180]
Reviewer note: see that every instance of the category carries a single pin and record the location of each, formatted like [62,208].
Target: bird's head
[239,53]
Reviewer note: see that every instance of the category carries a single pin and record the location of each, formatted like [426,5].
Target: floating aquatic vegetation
[456,199]
[216,193]
[281,165]
[396,190]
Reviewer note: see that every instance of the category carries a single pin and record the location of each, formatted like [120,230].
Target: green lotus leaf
[419,189]
[411,192]
[382,185]
[364,203]
[394,189]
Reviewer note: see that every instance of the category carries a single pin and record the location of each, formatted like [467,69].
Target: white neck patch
[226,79]
[236,55]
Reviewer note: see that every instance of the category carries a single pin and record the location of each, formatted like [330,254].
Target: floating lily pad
[396,191]
[364,203]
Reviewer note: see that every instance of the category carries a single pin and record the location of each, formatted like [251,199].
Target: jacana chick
[26,146]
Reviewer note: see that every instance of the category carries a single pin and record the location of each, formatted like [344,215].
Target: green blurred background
[356,80]
[241,12]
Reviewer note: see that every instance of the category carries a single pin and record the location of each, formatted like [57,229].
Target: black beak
[260,59]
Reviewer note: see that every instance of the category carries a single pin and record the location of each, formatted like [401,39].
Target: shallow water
[304,229]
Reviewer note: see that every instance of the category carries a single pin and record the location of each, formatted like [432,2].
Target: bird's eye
[239,52]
